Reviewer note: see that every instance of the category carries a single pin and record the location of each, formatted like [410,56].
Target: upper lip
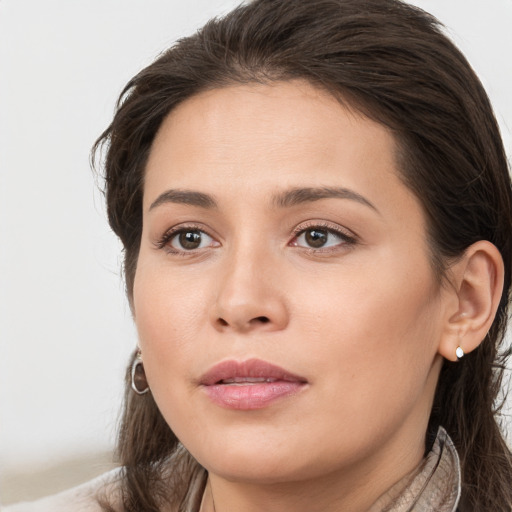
[251,368]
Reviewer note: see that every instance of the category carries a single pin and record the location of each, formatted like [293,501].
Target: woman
[316,210]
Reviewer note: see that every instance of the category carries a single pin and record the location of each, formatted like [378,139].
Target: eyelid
[328,226]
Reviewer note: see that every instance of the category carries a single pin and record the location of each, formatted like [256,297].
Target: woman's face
[277,233]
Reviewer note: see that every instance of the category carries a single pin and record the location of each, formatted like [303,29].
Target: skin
[363,318]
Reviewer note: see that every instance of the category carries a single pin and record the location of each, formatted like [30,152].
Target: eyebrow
[189,197]
[286,199]
[298,196]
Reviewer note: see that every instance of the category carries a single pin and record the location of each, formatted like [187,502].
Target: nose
[251,295]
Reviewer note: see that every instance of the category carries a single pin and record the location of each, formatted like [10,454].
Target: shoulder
[79,499]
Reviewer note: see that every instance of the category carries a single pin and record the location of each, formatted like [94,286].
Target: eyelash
[347,237]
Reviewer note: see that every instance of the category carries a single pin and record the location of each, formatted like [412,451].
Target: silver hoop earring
[139,381]
[459,353]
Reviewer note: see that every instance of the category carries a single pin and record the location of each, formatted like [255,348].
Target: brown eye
[316,237]
[190,239]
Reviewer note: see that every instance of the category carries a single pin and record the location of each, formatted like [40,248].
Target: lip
[248,385]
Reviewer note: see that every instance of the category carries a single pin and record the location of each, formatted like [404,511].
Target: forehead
[276,114]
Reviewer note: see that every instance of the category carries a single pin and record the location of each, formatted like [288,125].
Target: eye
[319,237]
[190,240]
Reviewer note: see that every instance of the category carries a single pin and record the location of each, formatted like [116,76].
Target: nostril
[253,322]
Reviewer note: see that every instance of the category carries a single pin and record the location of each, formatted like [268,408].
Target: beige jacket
[434,485]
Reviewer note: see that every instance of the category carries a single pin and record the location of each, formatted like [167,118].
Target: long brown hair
[392,62]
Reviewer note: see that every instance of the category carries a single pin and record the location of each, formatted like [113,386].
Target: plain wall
[65,326]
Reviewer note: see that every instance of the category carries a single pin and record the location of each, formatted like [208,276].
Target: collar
[434,485]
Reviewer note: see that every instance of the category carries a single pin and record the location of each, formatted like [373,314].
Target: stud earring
[459,353]
[139,381]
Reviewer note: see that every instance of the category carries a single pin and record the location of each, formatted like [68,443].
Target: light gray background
[65,327]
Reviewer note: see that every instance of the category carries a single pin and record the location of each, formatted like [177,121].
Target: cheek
[169,319]
[389,299]
[375,328]
[167,326]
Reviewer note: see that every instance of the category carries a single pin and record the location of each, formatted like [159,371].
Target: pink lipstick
[251,384]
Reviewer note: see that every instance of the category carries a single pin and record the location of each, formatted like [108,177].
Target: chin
[259,472]
[257,462]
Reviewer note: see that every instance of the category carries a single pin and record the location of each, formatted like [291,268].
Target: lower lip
[251,396]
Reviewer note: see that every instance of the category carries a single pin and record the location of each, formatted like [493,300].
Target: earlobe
[477,284]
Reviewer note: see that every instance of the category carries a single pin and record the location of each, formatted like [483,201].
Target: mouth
[248,385]
[245,381]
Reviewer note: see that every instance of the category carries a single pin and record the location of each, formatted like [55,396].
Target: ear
[477,281]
